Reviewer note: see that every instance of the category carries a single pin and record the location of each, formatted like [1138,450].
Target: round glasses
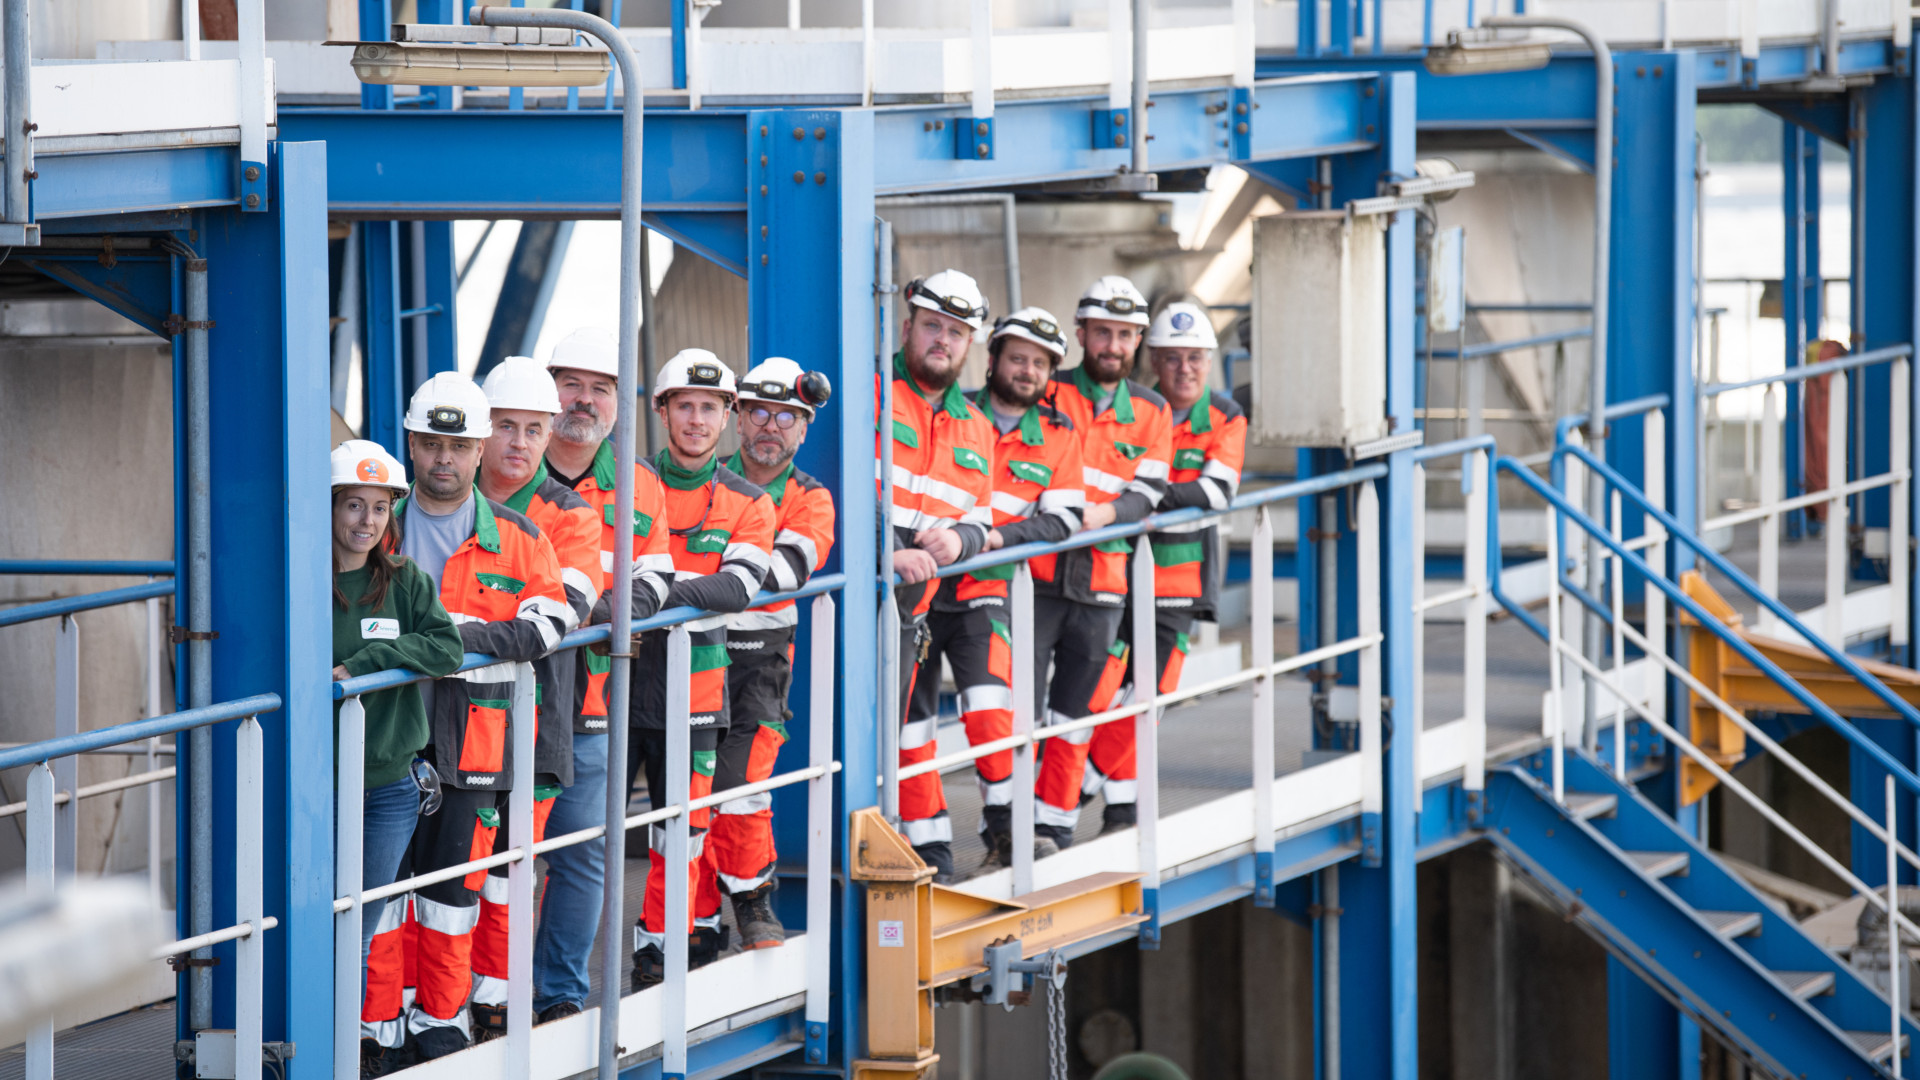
[761,417]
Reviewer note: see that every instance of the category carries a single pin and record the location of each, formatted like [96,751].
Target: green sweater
[416,634]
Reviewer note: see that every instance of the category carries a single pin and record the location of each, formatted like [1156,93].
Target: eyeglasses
[447,419]
[1119,305]
[761,417]
[1045,329]
[952,305]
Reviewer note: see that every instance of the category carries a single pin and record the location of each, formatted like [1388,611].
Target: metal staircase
[1662,904]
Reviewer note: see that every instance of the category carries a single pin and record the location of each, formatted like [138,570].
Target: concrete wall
[86,432]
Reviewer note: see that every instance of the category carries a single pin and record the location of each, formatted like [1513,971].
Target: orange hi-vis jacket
[1037,497]
[722,531]
[803,520]
[942,464]
[573,528]
[1209,448]
[502,587]
[1126,454]
[652,563]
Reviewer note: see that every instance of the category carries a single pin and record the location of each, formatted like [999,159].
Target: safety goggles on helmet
[1119,305]
[703,374]
[1046,329]
[812,390]
[447,419]
[950,305]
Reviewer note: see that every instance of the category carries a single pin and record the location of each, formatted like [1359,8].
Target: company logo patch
[371,470]
[379,629]
[1182,321]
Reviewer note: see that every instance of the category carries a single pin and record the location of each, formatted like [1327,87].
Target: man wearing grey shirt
[430,539]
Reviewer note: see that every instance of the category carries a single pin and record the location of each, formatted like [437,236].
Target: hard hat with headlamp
[359,463]
[1182,326]
[780,381]
[693,369]
[519,382]
[1034,324]
[450,404]
[1113,297]
[951,293]
[591,349]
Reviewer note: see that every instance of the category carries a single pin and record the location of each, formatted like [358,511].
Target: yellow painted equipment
[921,936]
[1743,686]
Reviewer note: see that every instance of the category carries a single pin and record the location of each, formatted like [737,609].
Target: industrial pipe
[200,642]
[632,236]
[348,332]
[890,658]
[18,55]
[1596,428]
[1330,973]
[1140,8]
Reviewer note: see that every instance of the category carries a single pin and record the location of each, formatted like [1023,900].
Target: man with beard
[942,455]
[775,407]
[1126,446]
[499,580]
[1037,497]
[586,368]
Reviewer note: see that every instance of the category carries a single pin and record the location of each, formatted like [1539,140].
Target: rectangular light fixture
[1480,52]
[404,63]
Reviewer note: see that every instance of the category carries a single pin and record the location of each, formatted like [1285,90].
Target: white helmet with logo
[950,293]
[589,348]
[1113,297]
[780,381]
[1182,326]
[693,369]
[1036,325]
[358,462]
[519,382]
[450,404]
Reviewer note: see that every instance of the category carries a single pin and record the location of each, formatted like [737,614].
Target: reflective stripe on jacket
[942,462]
[573,528]
[1037,475]
[802,539]
[651,563]
[1209,448]
[1126,450]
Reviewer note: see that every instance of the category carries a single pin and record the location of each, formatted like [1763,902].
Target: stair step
[1873,1045]
[1587,805]
[1659,864]
[1806,984]
[1732,924]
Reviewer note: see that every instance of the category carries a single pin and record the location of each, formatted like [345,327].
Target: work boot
[704,946]
[438,1042]
[489,1022]
[649,967]
[558,1011]
[377,1061]
[753,913]
[1060,835]
[1000,850]
[938,855]
[1117,816]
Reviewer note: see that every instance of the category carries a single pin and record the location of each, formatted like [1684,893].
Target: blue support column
[267,278]
[380,316]
[376,24]
[810,281]
[1651,330]
[1884,270]
[443,325]
[1867,788]
[1801,294]
[1642,1038]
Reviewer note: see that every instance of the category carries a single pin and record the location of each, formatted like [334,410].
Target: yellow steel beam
[1728,674]
[921,936]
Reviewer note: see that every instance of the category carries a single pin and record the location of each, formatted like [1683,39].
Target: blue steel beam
[77,185]
[443,291]
[810,296]
[380,318]
[268,356]
[138,287]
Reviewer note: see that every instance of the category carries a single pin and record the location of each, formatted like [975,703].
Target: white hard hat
[950,293]
[1182,326]
[1113,297]
[1036,325]
[590,348]
[781,381]
[518,382]
[693,369]
[358,462]
[450,404]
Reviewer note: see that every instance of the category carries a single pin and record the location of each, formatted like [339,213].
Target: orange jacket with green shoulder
[1209,449]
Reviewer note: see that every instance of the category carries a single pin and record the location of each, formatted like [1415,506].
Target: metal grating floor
[135,1045]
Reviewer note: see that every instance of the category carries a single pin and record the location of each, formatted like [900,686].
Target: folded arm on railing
[1819,709]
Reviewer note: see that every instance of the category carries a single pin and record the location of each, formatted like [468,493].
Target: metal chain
[1056,1030]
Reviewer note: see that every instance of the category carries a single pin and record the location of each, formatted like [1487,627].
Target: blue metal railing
[1819,709]
[68,605]
[129,567]
[1488,348]
[135,730]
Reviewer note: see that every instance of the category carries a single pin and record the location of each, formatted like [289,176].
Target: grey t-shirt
[1180,415]
[430,540]
[1006,422]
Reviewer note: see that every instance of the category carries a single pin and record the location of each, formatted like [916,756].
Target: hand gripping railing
[1475,479]
[51,807]
[1145,706]
[1896,773]
[522,849]
[1837,490]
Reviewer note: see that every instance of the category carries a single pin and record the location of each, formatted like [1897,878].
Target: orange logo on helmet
[373,471]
